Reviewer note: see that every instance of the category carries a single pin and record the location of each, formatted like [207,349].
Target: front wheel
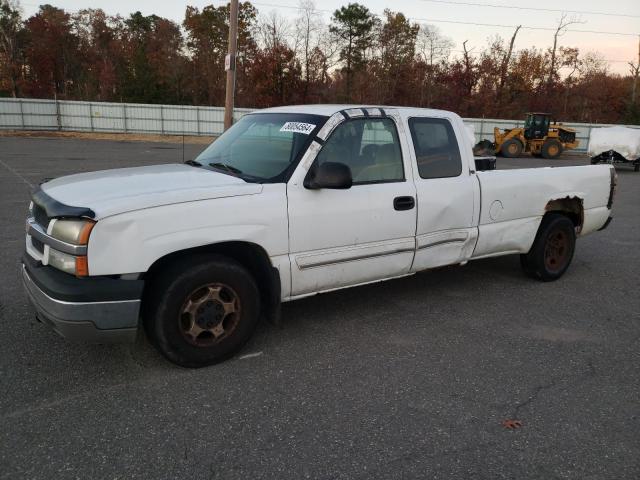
[551,149]
[202,310]
[512,148]
[552,250]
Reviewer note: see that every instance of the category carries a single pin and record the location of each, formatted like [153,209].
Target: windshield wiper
[228,168]
[193,163]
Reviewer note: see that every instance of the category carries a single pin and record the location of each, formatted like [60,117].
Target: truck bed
[514,201]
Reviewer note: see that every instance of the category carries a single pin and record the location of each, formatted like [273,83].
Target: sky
[622,16]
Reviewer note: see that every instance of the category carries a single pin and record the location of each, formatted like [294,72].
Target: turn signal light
[82,266]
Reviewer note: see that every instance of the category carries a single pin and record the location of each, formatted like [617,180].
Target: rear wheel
[551,149]
[552,250]
[511,148]
[202,311]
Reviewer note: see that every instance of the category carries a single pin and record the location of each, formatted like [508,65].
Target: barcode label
[298,127]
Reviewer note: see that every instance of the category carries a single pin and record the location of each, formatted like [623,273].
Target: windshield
[536,121]
[261,147]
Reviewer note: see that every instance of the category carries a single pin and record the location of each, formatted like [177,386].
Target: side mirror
[329,175]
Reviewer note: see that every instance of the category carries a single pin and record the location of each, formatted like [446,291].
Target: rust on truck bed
[573,207]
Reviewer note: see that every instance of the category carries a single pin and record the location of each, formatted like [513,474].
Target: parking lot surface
[411,378]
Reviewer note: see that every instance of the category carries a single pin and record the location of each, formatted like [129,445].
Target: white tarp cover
[624,140]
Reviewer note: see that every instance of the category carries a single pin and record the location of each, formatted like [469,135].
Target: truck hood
[109,192]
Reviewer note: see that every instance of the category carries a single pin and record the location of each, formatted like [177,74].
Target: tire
[595,161]
[552,250]
[202,311]
[525,266]
[512,148]
[551,149]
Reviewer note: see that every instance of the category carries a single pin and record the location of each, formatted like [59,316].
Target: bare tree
[563,24]
[569,59]
[326,54]
[432,47]
[634,68]
[274,30]
[593,63]
[468,68]
[307,31]
[504,67]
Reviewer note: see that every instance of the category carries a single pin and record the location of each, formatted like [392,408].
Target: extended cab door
[345,237]
[448,194]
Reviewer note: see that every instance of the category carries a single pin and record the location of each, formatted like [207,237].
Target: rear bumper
[101,320]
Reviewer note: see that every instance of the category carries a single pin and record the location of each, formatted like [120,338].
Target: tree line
[357,57]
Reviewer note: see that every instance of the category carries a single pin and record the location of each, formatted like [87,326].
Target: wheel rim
[556,251]
[553,150]
[209,315]
[513,149]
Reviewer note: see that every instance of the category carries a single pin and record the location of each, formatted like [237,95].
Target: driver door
[365,233]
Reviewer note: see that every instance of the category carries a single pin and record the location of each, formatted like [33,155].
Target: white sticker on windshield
[298,127]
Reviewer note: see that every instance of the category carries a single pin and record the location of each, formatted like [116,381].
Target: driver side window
[369,147]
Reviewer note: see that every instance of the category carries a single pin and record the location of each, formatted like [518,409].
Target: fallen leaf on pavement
[511,424]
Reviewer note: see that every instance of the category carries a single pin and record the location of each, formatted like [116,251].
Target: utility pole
[230,65]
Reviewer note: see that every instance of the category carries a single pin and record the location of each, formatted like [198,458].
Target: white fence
[32,114]
[36,114]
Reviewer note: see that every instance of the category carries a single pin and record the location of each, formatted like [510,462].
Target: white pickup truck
[289,202]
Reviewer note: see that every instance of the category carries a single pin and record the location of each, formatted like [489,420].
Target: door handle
[404,203]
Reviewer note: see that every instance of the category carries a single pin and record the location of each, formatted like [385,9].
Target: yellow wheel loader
[539,136]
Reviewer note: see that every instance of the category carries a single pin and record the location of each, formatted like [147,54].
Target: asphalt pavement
[412,378]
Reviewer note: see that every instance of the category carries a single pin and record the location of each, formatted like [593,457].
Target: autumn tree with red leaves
[356,57]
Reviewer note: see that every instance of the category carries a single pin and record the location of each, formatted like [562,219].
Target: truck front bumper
[93,310]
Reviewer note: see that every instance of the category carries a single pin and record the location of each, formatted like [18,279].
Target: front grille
[40,216]
[37,244]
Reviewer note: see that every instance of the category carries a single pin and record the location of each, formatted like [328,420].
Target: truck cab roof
[330,109]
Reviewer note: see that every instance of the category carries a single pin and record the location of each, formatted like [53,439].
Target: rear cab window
[436,147]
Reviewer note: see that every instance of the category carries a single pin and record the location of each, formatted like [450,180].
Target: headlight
[74,231]
[29,216]
[62,261]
